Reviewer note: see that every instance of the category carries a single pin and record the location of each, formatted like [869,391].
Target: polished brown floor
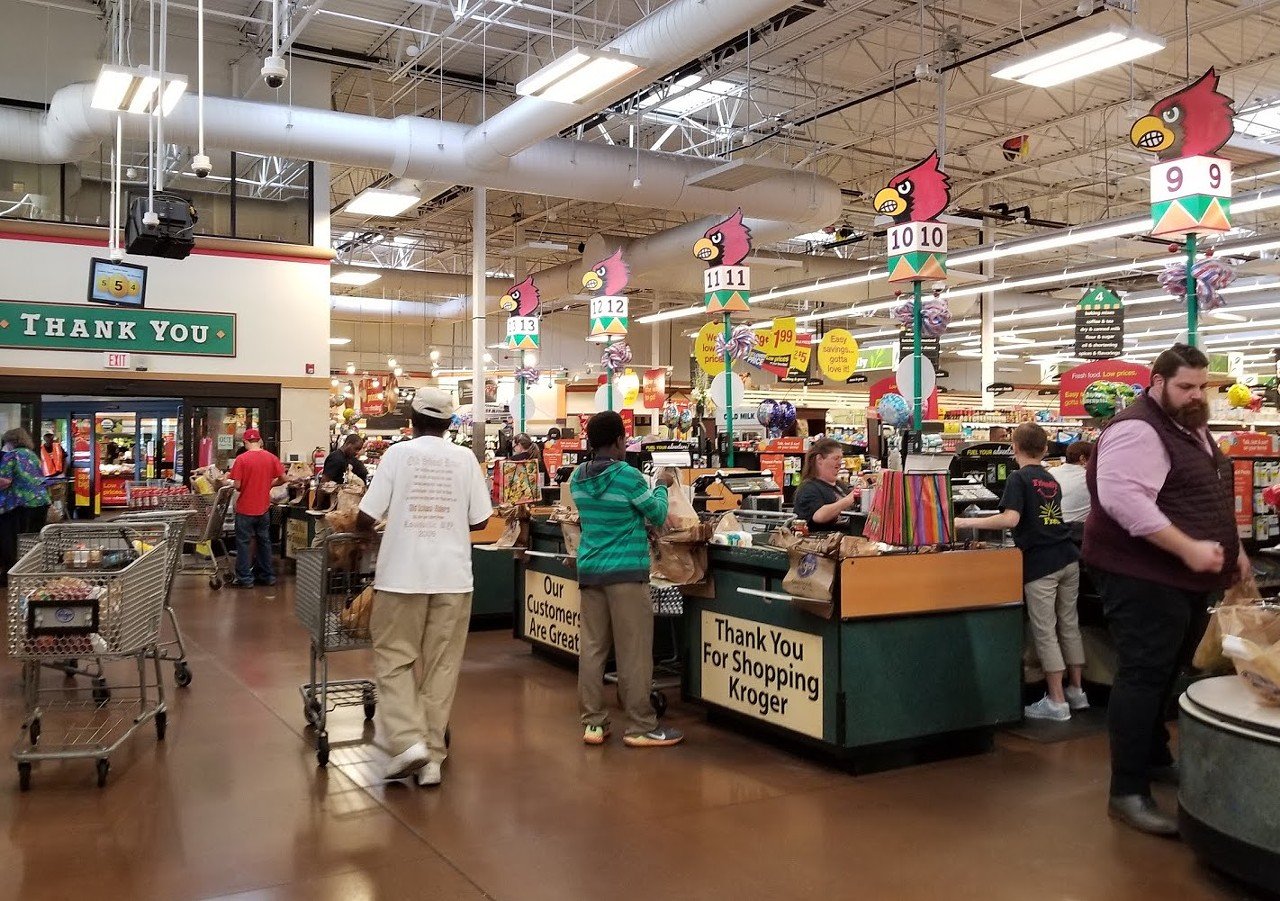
[232,805]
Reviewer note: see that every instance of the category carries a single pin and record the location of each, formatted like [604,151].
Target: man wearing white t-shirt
[432,495]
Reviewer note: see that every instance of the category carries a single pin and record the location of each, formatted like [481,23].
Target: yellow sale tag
[780,340]
[704,348]
[800,357]
[838,354]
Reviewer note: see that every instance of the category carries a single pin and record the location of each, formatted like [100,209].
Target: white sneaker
[1076,698]
[407,762]
[429,774]
[1047,709]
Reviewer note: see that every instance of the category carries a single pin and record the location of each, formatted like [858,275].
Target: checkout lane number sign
[763,671]
[552,611]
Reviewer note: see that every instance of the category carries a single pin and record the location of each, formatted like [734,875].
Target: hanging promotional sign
[709,359]
[522,332]
[1099,325]
[777,343]
[930,346]
[1115,377]
[726,284]
[800,369]
[1190,186]
[838,354]
[653,388]
[913,199]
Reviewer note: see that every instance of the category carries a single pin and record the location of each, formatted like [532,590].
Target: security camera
[1084,8]
[274,72]
[201,165]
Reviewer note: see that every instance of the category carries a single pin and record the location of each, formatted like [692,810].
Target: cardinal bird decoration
[726,244]
[522,299]
[1196,121]
[609,276]
[918,194]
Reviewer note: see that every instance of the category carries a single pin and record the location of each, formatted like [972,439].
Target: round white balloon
[717,391]
[906,377]
[602,398]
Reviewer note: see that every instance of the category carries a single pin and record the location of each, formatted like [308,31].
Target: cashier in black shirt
[819,500]
[343,457]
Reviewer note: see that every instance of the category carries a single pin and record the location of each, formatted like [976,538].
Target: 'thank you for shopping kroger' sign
[53,326]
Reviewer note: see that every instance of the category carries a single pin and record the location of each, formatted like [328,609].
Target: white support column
[987,267]
[655,362]
[479,199]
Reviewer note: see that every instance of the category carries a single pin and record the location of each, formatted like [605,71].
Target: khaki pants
[1055,625]
[622,616]
[430,631]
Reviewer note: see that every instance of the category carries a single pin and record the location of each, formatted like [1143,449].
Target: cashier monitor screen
[119,284]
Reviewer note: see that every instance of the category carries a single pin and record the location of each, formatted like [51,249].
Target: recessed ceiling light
[338,342]
[381,202]
[354,279]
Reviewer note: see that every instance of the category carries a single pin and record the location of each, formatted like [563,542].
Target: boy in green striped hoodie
[614,504]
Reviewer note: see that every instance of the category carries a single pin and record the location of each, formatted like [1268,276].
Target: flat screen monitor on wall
[119,284]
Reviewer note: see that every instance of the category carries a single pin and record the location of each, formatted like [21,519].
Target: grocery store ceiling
[852,90]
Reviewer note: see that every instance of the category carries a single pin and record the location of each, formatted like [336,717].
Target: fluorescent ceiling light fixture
[354,279]
[122,90]
[1093,54]
[678,313]
[813,238]
[1011,338]
[1066,238]
[381,202]
[579,75]
[338,342]
[1227,316]
[1263,122]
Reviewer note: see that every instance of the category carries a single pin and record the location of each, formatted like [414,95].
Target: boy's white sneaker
[429,774]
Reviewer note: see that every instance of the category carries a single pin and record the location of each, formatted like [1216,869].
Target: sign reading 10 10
[927,237]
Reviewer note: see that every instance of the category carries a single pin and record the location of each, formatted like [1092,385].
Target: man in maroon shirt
[254,474]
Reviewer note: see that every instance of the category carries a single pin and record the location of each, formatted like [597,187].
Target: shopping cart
[668,608]
[332,580]
[177,522]
[206,526]
[88,590]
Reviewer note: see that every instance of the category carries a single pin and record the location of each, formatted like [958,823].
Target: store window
[30,191]
[17,415]
[218,433]
[271,198]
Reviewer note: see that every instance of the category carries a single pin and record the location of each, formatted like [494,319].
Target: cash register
[720,491]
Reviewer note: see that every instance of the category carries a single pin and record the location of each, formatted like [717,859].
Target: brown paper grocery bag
[810,576]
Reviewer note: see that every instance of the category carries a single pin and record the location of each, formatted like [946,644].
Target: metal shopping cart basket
[88,590]
[205,526]
[332,599]
[173,649]
[668,607]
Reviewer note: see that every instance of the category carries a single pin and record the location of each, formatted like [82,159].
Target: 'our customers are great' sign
[50,326]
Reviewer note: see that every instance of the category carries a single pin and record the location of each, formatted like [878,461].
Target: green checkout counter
[920,656]
[494,573]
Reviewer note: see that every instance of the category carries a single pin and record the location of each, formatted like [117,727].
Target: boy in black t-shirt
[1032,508]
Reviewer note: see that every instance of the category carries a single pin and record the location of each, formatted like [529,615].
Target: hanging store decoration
[615,357]
[524,303]
[913,199]
[935,315]
[726,285]
[739,345]
[1210,277]
[606,281]
[527,375]
[1099,325]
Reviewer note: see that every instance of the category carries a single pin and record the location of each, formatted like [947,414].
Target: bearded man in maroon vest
[1160,541]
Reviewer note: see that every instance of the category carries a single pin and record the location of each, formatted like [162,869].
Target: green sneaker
[595,735]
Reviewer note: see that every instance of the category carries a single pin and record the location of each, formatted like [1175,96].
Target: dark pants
[10,526]
[1150,625]
[248,530]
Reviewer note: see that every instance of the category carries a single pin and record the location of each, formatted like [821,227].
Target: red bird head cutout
[918,194]
[726,244]
[1196,121]
[522,299]
[609,276]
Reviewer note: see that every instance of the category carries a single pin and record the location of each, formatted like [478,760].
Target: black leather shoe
[1166,775]
[1141,812]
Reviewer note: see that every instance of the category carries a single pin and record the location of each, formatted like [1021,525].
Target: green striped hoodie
[614,502]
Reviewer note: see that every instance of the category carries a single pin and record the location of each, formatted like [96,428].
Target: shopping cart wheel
[181,674]
[104,767]
[215,581]
[101,694]
[24,776]
[659,702]
[322,749]
[33,731]
[370,701]
[162,723]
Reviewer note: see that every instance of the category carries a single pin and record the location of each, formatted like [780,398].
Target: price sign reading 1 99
[1191,176]
[929,237]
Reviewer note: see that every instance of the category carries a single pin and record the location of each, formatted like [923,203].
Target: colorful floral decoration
[615,357]
[935,316]
[1211,275]
[742,340]
[527,374]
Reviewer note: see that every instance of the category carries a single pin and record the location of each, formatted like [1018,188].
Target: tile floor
[232,804]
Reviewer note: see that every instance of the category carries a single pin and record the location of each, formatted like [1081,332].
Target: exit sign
[116,360]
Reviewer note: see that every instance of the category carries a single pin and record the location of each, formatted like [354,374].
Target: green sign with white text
[52,326]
